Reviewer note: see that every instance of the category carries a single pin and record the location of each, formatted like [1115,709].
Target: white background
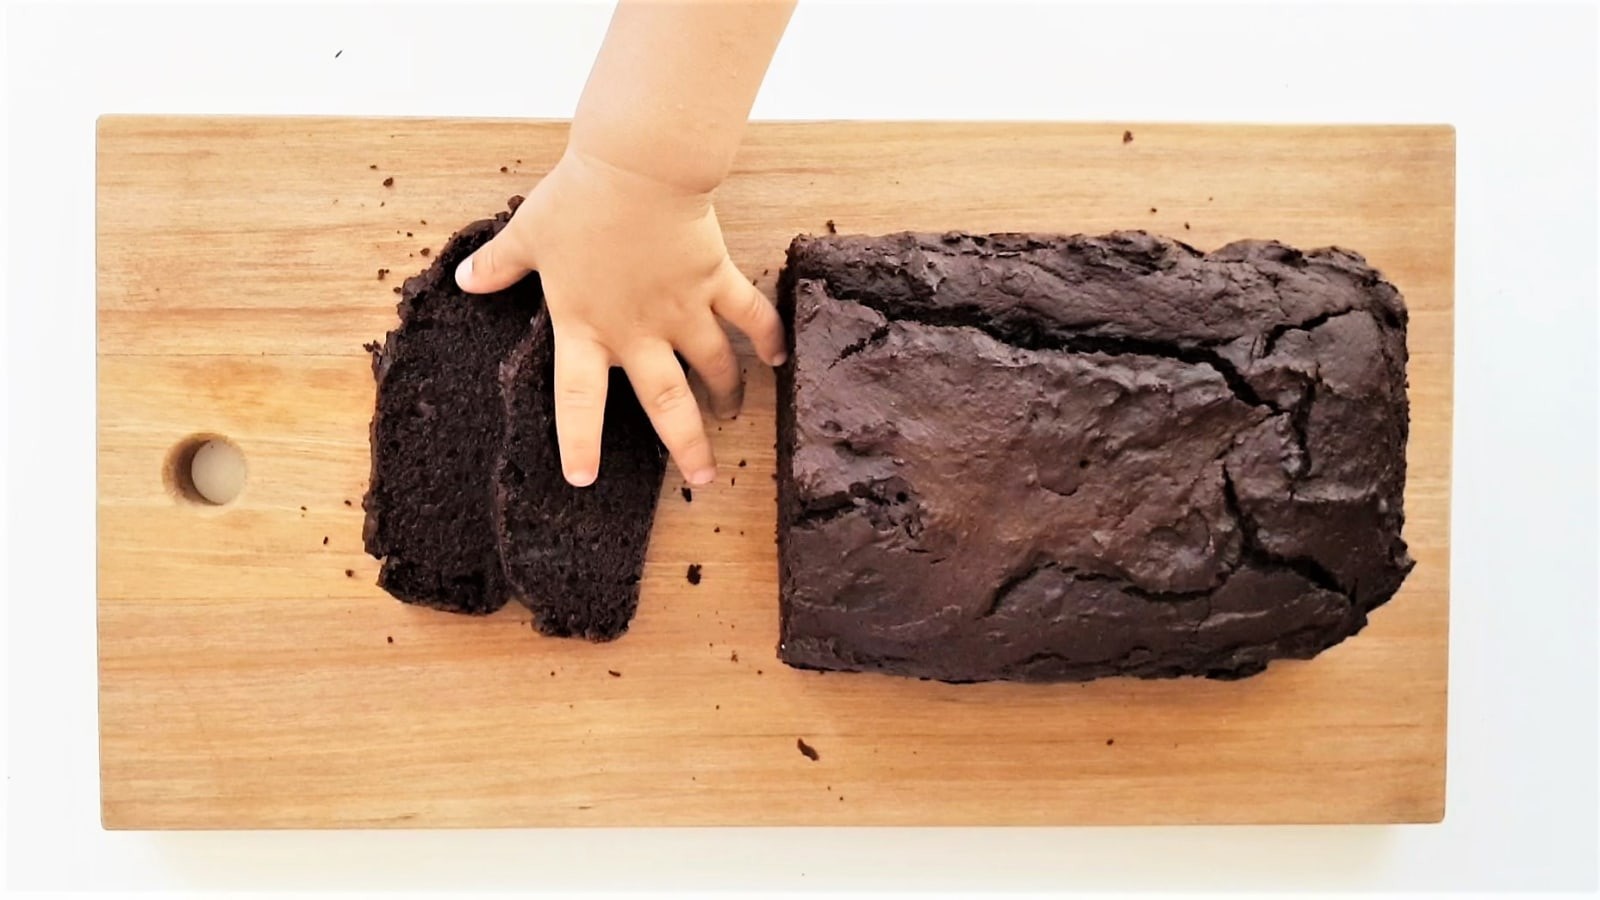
[1519,84]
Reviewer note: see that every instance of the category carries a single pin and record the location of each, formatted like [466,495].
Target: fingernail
[464,273]
[780,359]
[703,476]
[580,478]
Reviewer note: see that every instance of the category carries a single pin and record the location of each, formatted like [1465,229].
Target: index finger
[582,370]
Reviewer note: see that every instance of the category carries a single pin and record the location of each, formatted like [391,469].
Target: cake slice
[573,556]
[437,430]
[467,505]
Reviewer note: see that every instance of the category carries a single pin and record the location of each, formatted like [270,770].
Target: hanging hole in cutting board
[205,469]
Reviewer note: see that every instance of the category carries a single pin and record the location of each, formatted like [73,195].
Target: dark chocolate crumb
[717,529]
[382,274]
[552,673]
[374,346]
[1127,137]
[688,495]
[718,706]
[408,234]
[694,573]
[389,182]
[759,672]
[373,167]
[806,750]
[742,464]
[504,170]
[733,481]
[302,509]
[832,228]
[1208,199]
[383,203]
[1186,226]
[424,251]
[734,656]
[423,221]
[765,271]
[613,673]
[390,638]
[396,289]
[519,162]
[324,540]
[514,201]
[841,798]
[1110,741]
[349,573]
[1152,210]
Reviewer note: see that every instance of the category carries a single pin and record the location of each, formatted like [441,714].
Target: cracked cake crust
[1045,457]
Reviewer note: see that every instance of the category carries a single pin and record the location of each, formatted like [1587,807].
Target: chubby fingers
[582,371]
[705,347]
[738,301]
[663,391]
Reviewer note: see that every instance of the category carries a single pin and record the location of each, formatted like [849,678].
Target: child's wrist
[623,181]
[661,166]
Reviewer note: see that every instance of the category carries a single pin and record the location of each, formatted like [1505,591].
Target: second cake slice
[573,556]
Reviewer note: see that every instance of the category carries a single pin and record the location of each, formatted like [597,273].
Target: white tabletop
[1517,83]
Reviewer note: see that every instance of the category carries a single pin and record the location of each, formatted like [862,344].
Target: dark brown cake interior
[467,506]
[573,555]
[437,431]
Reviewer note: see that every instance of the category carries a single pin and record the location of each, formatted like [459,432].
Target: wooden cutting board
[252,675]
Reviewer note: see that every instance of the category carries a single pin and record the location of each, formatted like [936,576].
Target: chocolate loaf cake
[467,505]
[1044,458]
[437,433]
[573,555]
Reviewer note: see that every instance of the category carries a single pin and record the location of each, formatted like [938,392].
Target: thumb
[496,265]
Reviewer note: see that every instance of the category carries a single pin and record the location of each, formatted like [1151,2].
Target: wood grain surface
[252,675]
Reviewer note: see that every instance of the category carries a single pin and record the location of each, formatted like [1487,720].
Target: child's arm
[623,232]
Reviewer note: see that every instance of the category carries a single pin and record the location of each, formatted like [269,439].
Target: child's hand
[633,269]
